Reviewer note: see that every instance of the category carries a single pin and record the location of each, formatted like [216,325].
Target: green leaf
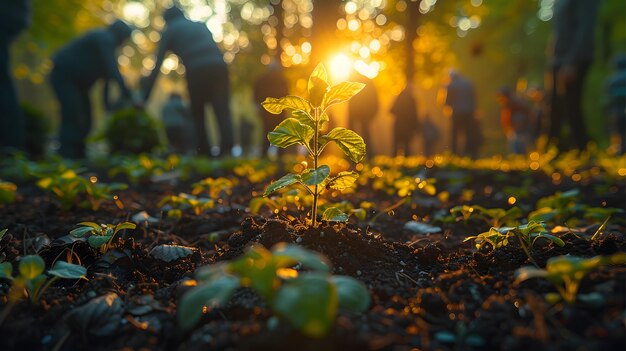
[277,106]
[315,176]
[317,91]
[93,225]
[342,92]
[66,270]
[353,295]
[287,255]
[309,303]
[333,214]
[6,270]
[290,132]
[2,232]
[96,241]
[348,141]
[286,180]
[216,292]
[31,266]
[343,180]
[306,119]
[81,231]
[125,225]
[319,72]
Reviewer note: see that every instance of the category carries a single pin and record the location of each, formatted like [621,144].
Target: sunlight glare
[340,67]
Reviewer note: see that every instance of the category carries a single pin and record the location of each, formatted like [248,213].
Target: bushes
[131,130]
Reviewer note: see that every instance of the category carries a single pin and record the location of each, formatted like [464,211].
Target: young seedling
[309,300]
[100,236]
[184,201]
[492,216]
[32,282]
[566,272]
[305,128]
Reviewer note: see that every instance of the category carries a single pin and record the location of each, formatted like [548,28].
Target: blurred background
[493,43]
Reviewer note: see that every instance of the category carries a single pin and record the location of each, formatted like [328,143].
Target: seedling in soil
[557,208]
[8,192]
[527,234]
[566,273]
[32,282]
[100,236]
[183,201]
[214,187]
[305,128]
[308,301]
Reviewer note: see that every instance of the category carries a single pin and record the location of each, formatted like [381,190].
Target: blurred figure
[207,75]
[516,119]
[406,123]
[272,83]
[574,23]
[616,89]
[460,99]
[536,97]
[178,124]
[430,135]
[77,67]
[14,18]
[362,109]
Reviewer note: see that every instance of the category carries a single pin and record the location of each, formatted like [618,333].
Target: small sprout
[307,300]
[31,282]
[183,201]
[100,236]
[495,217]
[305,127]
[566,272]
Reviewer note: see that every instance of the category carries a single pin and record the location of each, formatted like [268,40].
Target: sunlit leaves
[342,92]
[277,106]
[31,266]
[333,214]
[343,180]
[290,132]
[348,141]
[215,292]
[315,176]
[286,180]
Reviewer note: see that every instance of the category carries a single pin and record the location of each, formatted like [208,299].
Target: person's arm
[160,56]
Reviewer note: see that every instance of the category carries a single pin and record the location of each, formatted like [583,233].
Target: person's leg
[71,99]
[556,112]
[197,96]
[454,134]
[220,100]
[12,126]
[573,103]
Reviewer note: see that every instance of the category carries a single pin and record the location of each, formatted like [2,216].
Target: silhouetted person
[430,135]
[406,122]
[362,109]
[271,83]
[574,22]
[616,90]
[516,120]
[178,124]
[207,75]
[536,97]
[77,66]
[14,18]
[460,97]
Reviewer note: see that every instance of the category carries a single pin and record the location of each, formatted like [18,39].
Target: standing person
[271,83]
[207,75]
[14,18]
[574,22]
[77,67]
[362,110]
[460,98]
[406,123]
[430,135]
[516,120]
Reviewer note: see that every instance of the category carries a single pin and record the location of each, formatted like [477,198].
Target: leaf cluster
[307,300]
[31,281]
[100,236]
[214,187]
[181,202]
[527,234]
[494,217]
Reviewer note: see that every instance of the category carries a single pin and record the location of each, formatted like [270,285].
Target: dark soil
[429,291]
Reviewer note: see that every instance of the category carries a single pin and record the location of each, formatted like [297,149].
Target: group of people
[92,57]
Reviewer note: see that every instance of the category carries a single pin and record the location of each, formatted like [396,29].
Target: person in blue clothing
[14,18]
[77,67]
[207,75]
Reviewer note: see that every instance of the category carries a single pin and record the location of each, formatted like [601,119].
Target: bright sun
[340,67]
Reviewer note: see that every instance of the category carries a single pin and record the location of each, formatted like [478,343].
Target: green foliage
[8,192]
[495,217]
[31,282]
[557,208]
[38,128]
[131,131]
[214,187]
[305,128]
[143,168]
[566,272]
[309,301]
[100,236]
[528,234]
[72,190]
[182,201]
